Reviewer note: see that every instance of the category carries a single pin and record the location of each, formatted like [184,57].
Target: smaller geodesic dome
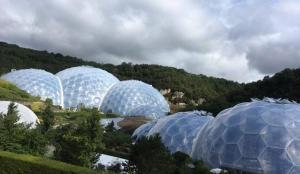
[143,130]
[85,85]
[178,131]
[26,114]
[257,137]
[37,83]
[130,96]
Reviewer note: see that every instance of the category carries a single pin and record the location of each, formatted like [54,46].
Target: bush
[11,163]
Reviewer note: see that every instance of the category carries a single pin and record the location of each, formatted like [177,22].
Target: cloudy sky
[241,40]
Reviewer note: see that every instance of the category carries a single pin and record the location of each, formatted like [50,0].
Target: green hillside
[161,77]
[285,85]
[10,92]
[218,93]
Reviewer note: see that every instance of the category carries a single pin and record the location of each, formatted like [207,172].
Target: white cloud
[235,39]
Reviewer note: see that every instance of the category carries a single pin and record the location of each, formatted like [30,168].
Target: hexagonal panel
[295,170]
[234,120]
[294,152]
[273,116]
[253,125]
[230,154]
[218,145]
[232,135]
[294,129]
[275,136]
[275,161]
[251,145]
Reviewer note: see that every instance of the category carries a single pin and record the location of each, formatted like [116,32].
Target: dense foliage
[285,85]
[116,140]
[19,137]
[161,77]
[150,156]
[80,143]
[11,163]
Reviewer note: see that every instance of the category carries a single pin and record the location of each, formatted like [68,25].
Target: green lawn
[12,163]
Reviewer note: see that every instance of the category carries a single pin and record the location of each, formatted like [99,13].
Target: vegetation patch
[12,163]
[10,92]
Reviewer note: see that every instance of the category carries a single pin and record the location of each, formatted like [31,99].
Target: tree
[150,156]
[19,137]
[48,117]
[79,143]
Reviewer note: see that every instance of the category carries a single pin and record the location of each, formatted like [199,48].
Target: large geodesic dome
[127,96]
[85,85]
[178,131]
[37,83]
[256,137]
[26,114]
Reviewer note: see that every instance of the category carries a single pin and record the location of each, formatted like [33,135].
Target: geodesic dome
[143,130]
[178,131]
[85,85]
[127,96]
[152,112]
[26,114]
[37,83]
[257,137]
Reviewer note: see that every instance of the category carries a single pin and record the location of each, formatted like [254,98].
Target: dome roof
[37,83]
[143,130]
[258,137]
[85,85]
[179,130]
[126,97]
[152,112]
[26,114]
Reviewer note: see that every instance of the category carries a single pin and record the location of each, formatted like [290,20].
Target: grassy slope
[12,163]
[10,92]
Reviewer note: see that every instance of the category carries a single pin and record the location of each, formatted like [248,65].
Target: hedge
[11,163]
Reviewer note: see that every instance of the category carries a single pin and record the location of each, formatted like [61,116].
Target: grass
[19,163]
[10,92]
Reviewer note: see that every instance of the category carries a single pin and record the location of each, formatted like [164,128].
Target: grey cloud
[216,37]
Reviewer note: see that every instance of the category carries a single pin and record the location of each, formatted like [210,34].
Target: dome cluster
[177,131]
[262,137]
[91,87]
